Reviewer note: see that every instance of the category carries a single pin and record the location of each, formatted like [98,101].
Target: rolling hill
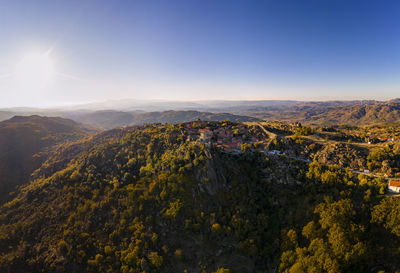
[23,142]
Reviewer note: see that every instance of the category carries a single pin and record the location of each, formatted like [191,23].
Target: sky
[69,52]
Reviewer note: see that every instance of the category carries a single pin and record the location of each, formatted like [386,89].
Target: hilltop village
[236,138]
[227,136]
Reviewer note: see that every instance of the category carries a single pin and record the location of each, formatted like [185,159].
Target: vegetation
[145,199]
[304,131]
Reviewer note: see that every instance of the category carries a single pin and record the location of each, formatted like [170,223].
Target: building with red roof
[394,186]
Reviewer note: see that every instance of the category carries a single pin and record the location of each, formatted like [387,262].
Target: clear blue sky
[190,50]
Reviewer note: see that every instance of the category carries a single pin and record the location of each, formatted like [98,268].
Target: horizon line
[93,103]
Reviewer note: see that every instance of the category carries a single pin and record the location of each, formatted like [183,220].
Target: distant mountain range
[112,119]
[361,113]
[114,114]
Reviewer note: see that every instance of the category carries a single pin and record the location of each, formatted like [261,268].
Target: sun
[34,70]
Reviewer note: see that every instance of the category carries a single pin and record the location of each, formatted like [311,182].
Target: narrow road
[271,136]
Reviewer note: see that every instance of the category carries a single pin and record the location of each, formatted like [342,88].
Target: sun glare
[34,70]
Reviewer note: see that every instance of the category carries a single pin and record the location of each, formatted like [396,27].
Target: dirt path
[320,140]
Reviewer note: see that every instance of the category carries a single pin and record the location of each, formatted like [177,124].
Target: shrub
[155,259]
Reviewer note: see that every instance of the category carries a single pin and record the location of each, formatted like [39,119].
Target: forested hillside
[146,199]
[23,142]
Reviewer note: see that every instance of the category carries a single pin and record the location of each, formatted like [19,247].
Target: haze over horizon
[58,53]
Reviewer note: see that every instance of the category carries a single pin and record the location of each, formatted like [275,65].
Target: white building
[274,152]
